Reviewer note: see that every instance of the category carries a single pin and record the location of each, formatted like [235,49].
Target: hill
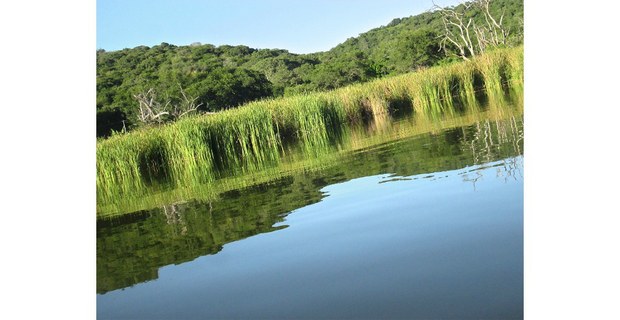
[228,76]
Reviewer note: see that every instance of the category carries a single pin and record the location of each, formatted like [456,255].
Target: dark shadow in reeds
[366,114]
[479,88]
[153,164]
[218,148]
[504,74]
[400,107]
[287,135]
[334,123]
[456,89]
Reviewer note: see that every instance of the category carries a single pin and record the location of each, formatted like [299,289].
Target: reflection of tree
[473,180]
[510,169]
[487,140]
[174,217]
[507,169]
[514,127]
[132,251]
[491,138]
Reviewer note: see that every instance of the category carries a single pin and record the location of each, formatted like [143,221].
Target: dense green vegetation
[228,76]
[131,248]
[202,149]
[380,132]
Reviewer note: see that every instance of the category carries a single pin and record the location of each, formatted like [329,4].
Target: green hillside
[228,76]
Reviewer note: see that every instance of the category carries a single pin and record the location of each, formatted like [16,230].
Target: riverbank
[205,148]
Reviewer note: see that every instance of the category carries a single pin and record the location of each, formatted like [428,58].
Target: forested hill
[227,76]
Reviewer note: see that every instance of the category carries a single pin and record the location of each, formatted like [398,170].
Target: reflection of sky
[424,246]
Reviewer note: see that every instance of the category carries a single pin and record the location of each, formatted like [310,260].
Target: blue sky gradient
[298,26]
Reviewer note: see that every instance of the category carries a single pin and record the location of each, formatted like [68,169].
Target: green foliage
[223,88]
[228,76]
[203,148]
[418,48]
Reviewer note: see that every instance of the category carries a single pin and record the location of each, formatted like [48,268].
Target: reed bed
[356,138]
[205,148]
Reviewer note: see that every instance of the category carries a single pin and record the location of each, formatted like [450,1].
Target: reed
[355,138]
[255,136]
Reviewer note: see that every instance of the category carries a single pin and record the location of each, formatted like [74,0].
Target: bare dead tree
[459,30]
[498,34]
[151,110]
[456,30]
[186,106]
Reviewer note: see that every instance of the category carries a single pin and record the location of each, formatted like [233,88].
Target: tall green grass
[204,148]
[382,131]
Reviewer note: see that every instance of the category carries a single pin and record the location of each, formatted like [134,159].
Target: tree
[419,48]
[227,76]
[224,88]
[153,110]
[462,32]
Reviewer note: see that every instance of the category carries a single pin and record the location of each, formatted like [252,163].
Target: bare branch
[456,31]
[469,38]
[187,105]
[150,109]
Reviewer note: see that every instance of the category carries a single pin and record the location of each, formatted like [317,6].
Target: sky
[297,26]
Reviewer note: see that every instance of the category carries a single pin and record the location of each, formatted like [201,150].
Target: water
[417,226]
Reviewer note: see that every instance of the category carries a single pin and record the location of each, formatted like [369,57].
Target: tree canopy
[228,76]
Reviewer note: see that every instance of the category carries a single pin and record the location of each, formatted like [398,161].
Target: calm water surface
[426,227]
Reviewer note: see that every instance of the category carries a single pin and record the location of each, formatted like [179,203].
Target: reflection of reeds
[248,139]
[354,138]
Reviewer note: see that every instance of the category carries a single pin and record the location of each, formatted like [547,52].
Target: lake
[400,218]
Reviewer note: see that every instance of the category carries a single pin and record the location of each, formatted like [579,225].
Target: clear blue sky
[298,26]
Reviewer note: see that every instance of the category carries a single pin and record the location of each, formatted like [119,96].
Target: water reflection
[505,169]
[423,246]
[131,249]
[319,153]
